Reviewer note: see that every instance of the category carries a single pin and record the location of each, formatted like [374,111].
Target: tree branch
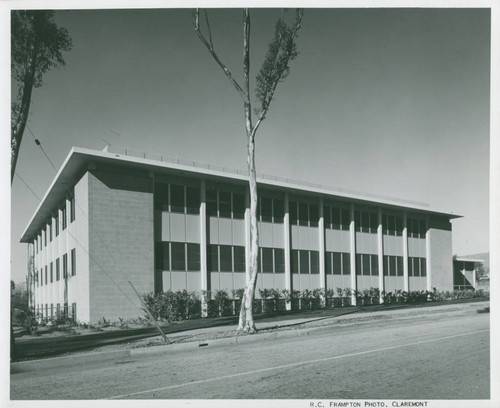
[210,48]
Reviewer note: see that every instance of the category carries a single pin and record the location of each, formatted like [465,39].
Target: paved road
[429,357]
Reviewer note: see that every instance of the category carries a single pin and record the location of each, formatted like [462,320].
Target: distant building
[109,218]
[464,273]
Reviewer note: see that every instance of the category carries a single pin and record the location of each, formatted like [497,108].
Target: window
[58,269]
[239,258]
[267,260]
[279,260]
[304,262]
[64,220]
[52,310]
[399,226]
[266,209]
[374,262]
[178,256]
[373,223]
[226,258]
[337,263]
[327,216]
[56,222]
[193,257]
[192,200]
[314,255]
[346,219]
[392,225]
[72,207]
[51,272]
[162,256]
[176,198]
[346,263]
[410,266]
[423,271]
[366,264]
[358,264]
[422,228]
[279,210]
[45,236]
[36,279]
[303,214]
[416,266]
[238,205]
[224,204]
[65,266]
[392,266]
[49,227]
[213,258]
[313,215]
[73,262]
[46,274]
[211,198]
[399,260]
[161,197]
[294,261]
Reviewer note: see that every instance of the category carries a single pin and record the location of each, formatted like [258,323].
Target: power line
[29,188]
[38,143]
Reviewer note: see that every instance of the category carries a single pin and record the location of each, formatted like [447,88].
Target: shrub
[238,293]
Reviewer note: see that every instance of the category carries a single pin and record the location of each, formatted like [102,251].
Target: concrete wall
[441,268]
[121,242]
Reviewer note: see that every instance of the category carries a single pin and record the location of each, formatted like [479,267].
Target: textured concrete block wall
[441,255]
[121,243]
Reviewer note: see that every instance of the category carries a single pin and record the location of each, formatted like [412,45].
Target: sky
[393,102]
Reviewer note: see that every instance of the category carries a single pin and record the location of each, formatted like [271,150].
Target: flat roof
[469,260]
[79,158]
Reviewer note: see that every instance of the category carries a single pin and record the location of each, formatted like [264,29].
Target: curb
[234,339]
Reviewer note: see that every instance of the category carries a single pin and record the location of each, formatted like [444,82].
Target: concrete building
[113,217]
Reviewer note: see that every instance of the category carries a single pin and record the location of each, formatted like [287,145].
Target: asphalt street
[426,357]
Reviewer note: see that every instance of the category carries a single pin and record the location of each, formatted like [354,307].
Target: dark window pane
[357,221]
[399,226]
[392,225]
[304,262]
[176,199]
[365,221]
[374,260]
[366,264]
[162,256]
[328,263]
[56,223]
[211,198]
[336,218]
[239,258]
[327,216]
[192,200]
[292,207]
[422,228]
[294,261]
[213,258]
[314,262]
[346,263]
[386,265]
[373,223]
[224,204]
[337,263]
[50,231]
[266,209]
[346,219]
[278,208]
[178,256]
[303,214]
[423,270]
[71,209]
[73,264]
[238,205]
[392,265]
[267,260]
[58,269]
[410,266]
[65,266]
[226,258]
[64,221]
[193,257]
[414,227]
[259,261]
[161,197]
[416,266]
[279,260]
[313,215]
[51,272]
[400,266]
[358,264]
[384,224]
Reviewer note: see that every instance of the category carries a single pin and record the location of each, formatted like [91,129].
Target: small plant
[340,292]
[238,293]
[347,292]
[264,293]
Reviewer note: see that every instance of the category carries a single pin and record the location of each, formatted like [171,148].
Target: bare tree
[275,68]
[36,46]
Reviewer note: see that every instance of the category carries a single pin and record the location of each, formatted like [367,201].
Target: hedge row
[184,305]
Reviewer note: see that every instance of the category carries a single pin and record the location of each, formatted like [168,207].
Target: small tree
[275,68]
[36,46]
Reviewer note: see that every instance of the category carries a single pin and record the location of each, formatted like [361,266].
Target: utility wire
[26,184]
[41,148]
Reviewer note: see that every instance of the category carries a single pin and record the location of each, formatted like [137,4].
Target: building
[109,218]
[464,272]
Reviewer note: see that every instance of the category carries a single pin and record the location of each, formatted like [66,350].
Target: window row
[306,214]
[177,198]
[367,265]
[365,221]
[177,256]
[271,260]
[46,274]
[271,210]
[225,204]
[337,218]
[51,229]
[393,265]
[416,228]
[417,266]
[304,262]
[225,258]
[392,225]
[337,263]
